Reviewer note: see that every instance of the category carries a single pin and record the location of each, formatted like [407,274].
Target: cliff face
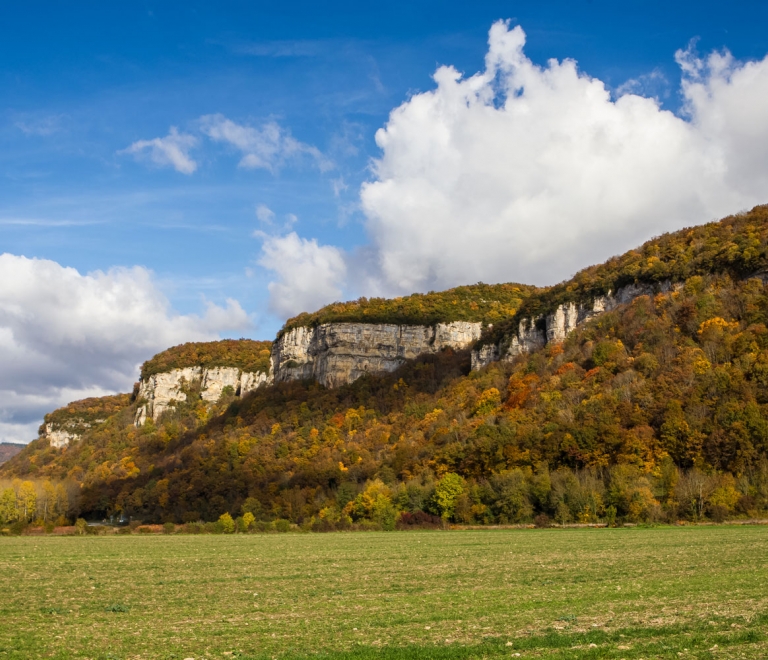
[161,391]
[537,332]
[339,353]
[61,437]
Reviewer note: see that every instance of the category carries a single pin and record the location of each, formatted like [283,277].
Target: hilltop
[653,410]
[484,303]
[245,354]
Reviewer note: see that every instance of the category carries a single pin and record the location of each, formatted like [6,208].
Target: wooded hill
[654,411]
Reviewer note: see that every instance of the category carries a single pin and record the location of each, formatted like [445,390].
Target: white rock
[250,381]
[58,437]
[535,333]
[215,379]
[164,390]
[339,353]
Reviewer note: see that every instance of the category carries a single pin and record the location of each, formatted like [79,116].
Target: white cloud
[339,186]
[65,336]
[173,150]
[265,214]
[309,275]
[267,148]
[528,173]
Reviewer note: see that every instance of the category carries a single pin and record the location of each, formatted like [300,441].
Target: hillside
[653,411]
[484,303]
[87,411]
[8,450]
[735,245]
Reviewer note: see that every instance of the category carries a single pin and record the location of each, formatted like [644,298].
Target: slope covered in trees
[735,245]
[656,410]
[87,411]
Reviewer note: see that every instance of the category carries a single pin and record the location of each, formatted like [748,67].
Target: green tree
[248,520]
[7,506]
[447,491]
[226,524]
[47,503]
[27,500]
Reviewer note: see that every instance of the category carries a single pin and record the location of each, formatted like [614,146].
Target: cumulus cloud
[309,275]
[528,173]
[65,335]
[173,150]
[268,147]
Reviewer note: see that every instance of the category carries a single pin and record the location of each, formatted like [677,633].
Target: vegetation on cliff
[246,354]
[486,303]
[737,245]
[86,412]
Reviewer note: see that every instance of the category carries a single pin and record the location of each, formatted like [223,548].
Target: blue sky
[86,87]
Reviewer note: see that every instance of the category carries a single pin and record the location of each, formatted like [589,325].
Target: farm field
[692,592]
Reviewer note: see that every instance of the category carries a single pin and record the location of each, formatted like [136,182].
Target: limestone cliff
[61,437]
[160,392]
[537,332]
[338,353]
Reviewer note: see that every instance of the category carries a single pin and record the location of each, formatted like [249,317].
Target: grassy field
[699,592]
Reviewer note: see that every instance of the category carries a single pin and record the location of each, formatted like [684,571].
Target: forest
[656,411]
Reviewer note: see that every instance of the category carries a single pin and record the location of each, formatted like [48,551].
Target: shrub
[281,525]
[124,530]
[169,528]
[17,528]
[226,524]
[248,520]
[81,526]
[542,521]
[419,520]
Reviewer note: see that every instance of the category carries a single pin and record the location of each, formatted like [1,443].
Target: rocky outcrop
[339,353]
[161,392]
[537,332]
[60,437]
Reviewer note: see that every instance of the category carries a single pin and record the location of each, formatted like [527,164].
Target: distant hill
[8,450]
[653,410]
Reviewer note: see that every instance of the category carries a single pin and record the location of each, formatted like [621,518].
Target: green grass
[594,593]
